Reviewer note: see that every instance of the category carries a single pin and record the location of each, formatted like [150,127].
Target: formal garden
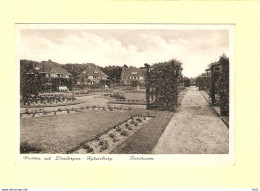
[120,119]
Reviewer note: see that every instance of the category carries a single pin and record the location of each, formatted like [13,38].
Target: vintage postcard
[125,93]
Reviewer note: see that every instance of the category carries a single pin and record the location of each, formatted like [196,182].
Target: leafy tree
[113,72]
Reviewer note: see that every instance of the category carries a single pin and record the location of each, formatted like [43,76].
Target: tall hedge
[161,83]
[223,86]
[204,82]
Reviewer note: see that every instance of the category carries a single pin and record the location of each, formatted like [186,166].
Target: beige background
[246,17]
[166,159]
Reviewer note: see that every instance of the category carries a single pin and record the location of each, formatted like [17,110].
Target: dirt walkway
[194,129]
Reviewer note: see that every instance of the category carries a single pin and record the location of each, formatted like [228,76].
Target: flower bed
[88,92]
[47,100]
[114,137]
[41,112]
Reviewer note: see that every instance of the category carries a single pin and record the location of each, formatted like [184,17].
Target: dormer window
[95,72]
[134,73]
[37,68]
[84,72]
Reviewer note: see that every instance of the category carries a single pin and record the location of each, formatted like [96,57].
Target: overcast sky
[194,48]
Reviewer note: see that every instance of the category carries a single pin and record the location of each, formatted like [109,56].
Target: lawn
[135,96]
[59,134]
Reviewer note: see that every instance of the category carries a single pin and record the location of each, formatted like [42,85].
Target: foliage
[87,148]
[161,83]
[123,133]
[32,83]
[117,96]
[104,146]
[217,83]
[204,82]
[186,81]
[113,72]
[27,147]
[223,86]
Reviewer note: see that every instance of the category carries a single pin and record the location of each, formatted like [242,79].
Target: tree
[113,72]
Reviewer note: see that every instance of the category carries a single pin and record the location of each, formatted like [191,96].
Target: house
[51,69]
[59,79]
[91,75]
[132,76]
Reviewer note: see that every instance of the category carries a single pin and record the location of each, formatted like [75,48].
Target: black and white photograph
[125,89]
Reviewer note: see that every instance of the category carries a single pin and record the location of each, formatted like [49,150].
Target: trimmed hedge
[223,86]
[161,83]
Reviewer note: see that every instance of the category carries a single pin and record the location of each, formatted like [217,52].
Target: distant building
[51,69]
[59,79]
[91,75]
[132,76]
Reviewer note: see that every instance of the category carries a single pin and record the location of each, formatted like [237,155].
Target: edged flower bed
[113,138]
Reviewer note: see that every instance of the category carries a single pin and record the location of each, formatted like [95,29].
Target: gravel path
[194,129]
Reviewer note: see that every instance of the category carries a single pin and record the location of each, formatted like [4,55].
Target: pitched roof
[51,67]
[131,71]
[92,70]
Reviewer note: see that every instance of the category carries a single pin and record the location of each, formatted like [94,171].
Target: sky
[196,49]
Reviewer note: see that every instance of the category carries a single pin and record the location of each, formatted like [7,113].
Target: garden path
[194,129]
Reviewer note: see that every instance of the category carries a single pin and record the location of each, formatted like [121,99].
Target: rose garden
[110,116]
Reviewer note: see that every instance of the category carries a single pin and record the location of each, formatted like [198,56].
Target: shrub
[136,124]
[101,142]
[139,120]
[87,148]
[111,135]
[104,146]
[123,133]
[27,147]
[115,139]
[129,128]
[117,96]
[118,129]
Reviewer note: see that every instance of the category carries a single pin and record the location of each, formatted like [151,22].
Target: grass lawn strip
[144,140]
[59,134]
